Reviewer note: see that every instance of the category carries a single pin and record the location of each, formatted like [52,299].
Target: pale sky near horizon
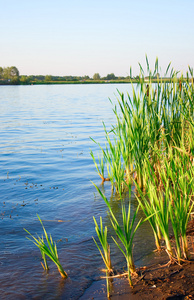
[82,37]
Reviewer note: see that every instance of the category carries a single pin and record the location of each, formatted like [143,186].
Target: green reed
[102,236]
[125,232]
[150,120]
[99,166]
[180,171]
[170,197]
[49,249]
[45,266]
[152,146]
[115,167]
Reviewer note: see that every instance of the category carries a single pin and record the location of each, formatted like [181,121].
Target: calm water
[46,169]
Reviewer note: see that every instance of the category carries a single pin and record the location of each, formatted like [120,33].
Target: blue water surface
[46,169]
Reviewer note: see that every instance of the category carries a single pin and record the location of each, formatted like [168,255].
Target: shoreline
[67,82]
[42,82]
[157,280]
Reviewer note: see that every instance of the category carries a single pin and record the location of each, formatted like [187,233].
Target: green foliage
[96,76]
[169,195]
[99,166]
[125,232]
[24,79]
[10,74]
[110,76]
[102,236]
[150,120]
[49,249]
[152,145]
[48,78]
[1,72]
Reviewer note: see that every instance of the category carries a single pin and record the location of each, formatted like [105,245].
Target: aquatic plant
[99,166]
[45,266]
[154,118]
[179,174]
[170,196]
[102,236]
[151,146]
[49,249]
[125,232]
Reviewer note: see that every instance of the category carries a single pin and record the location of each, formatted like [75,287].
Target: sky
[82,37]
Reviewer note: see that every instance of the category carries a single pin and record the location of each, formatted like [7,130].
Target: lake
[46,169]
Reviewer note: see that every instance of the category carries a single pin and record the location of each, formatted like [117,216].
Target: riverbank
[157,280]
[38,82]
[43,82]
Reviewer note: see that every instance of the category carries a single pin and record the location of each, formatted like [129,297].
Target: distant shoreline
[83,82]
[69,82]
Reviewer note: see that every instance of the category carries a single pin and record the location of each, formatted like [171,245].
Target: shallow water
[46,169]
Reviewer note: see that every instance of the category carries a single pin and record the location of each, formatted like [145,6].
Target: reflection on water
[46,169]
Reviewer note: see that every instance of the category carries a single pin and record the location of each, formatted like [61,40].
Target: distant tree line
[110,76]
[10,75]
[50,78]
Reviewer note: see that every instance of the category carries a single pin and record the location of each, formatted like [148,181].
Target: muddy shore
[155,281]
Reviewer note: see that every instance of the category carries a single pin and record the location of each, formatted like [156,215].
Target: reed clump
[105,252]
[125,232]
[151,146]
[48,249]
[155,118]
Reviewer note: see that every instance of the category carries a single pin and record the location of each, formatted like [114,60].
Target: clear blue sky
[82,37]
